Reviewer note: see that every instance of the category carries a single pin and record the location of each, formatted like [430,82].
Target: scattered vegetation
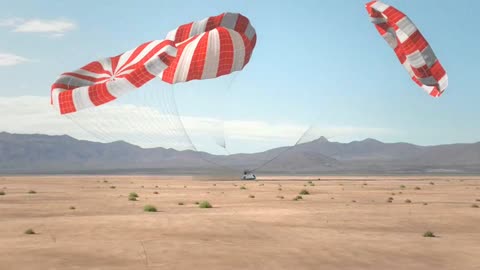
[280,189]
[402,186]
[149,208]
[205,204]
[298,198]
[181,203]
[429,234]
[475,206]
[310,182]
[280,197]
[197,203]
[390,200]
[30,231]
[432,183]
[477,200]
[251,196]
[113,187]
[132,198]
[354,201]
[105,181]
[32,192]
[425,203]
[133,195]
[72,208]
[155,192]
[408,201]
[2,192]
[417,188]
[304,192]
[243,188]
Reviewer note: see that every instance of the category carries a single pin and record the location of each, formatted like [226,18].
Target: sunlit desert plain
[92,222]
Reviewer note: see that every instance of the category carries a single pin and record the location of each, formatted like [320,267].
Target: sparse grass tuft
[205,204]
[304,192]
[429,234]
[243,188]
[30,231]
[32,192]
[408,201]
[149,208]
[402,186]
[475,206]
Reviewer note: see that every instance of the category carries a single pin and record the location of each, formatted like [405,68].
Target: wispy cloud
[57,27]
[147,127]
[7,59]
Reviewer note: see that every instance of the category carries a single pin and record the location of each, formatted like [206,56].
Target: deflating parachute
[411,48]
[207,49]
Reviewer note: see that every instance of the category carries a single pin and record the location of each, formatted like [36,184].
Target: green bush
[205,204]
[429,234]
[304,192]
[149,208]
[133,195]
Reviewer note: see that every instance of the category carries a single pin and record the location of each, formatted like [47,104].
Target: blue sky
[316,62]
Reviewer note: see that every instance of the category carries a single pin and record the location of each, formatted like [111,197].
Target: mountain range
[44,154]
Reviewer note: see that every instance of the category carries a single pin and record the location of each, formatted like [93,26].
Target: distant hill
[20,153]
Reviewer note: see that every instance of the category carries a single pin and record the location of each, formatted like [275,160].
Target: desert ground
[88,222]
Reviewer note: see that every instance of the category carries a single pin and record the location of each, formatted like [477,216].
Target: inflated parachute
[411,48]
[206,49]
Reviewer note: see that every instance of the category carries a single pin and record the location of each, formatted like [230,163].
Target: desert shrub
[280,197]
[432,183]
[32,192]
[429,234]
[155,192]
[477,200]
[113,187]
[425,203]
[304,192]
[310,182]
[475,206]
[417,188]
[132,198]
[298,198]
[279,189]
[2,193]
[72,208]
[243,188]
[402,186]
[408,201]
[149,208]
[30,231]
[133,195]
[205,204]
[181,203]
[354,201]
[251,196]
[197,203]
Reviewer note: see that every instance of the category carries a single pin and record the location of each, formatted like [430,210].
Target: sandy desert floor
[345,223]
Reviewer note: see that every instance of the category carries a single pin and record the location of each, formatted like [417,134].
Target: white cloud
[7,59]
[57,27]
[147,127]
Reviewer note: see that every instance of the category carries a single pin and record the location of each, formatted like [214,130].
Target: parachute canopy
[411,48]
[206,49]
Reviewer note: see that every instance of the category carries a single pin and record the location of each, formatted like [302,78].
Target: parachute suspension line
[223,140]
[182,125]
[287,149]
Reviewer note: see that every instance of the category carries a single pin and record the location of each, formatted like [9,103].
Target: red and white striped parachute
[206,49]
[411,48]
